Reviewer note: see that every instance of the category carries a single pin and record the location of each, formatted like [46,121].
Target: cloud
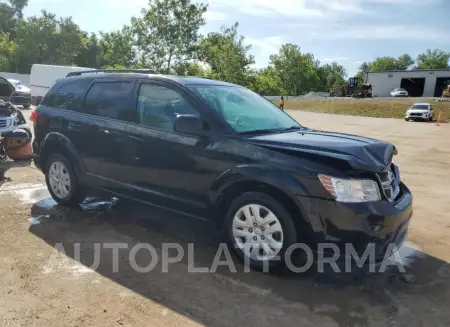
[385,32]
[214,15]
[262,48]
[333,59]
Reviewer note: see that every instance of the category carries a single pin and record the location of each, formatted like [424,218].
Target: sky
[346,31]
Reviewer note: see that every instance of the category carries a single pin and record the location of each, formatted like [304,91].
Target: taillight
[34,116]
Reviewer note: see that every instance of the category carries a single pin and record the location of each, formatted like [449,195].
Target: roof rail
[142,71]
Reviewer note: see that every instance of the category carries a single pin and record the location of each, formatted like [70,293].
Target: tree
[47,40]
[7,52]
[10,12]
[433,59]
[117,49]
[227,56]
[167,33]
[89,55]
[331,75]
[266,82]
[297,71]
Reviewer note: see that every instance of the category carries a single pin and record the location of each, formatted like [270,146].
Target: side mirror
[189,124]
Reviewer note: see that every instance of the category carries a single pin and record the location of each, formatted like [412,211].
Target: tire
[71,196]
[406,119]
[284,223]
[26,106]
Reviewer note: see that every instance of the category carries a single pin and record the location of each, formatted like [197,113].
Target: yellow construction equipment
[446,92]
[353,88]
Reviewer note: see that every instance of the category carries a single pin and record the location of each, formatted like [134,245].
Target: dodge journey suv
[217,151]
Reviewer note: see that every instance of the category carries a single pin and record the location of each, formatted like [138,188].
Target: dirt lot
[39,287]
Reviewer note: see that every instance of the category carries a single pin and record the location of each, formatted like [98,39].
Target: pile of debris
[315,95]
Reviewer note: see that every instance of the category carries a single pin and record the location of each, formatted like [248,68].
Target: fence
[24,78]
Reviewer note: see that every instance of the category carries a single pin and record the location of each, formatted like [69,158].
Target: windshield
[399,90]
[244,110]
[420,106]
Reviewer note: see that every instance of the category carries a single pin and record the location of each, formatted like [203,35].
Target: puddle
[27,193]
[409,253]
[38,220]
[95,204]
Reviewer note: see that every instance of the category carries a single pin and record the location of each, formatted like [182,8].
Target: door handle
[105,131]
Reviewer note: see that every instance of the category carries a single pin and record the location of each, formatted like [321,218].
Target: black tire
[26,106]
[284,217]
[76,194]
[406,119]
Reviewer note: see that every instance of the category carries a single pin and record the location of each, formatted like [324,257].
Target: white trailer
[44,76]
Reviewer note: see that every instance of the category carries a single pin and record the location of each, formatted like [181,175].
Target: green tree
[298,72]
[89,55]
[433,59]
[266,82]
[7,52]
[10,12]
[227,56]
[117,49]
[47,40]
[167,34]
[331,74]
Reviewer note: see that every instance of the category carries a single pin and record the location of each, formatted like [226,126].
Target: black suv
[219,152]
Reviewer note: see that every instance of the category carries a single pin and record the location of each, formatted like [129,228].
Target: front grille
[415,114]
[4,123]
[390,182]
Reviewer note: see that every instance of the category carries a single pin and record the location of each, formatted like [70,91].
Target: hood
[418,111]
[360,153]
[19,86]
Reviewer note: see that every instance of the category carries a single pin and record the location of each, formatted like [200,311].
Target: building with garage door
[418,83]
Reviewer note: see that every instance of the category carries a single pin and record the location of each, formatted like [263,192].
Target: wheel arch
[233,190]
[58,143]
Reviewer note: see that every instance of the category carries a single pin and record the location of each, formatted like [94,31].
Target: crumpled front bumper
[380,224]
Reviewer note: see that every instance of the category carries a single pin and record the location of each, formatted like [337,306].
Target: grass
[383,108]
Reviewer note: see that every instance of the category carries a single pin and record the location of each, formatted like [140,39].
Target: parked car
[399,93]
[222,153]
[15,91]
[11,118]
[420,111]
[42,78]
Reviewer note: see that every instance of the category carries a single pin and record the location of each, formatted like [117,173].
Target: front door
[168,169]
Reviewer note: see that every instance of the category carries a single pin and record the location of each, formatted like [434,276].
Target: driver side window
[158,107]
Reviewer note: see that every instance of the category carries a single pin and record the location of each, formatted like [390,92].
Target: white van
[44,76]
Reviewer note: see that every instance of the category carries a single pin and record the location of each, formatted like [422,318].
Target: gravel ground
[43,287]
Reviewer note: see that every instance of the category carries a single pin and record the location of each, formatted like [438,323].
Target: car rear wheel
[260,230]
[62,182]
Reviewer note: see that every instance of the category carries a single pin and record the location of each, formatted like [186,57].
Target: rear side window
[69,96]
[112,100]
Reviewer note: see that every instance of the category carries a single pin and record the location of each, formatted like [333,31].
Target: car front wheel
[62,182]
[260,230]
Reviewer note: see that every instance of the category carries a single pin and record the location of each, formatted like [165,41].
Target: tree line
[165,37]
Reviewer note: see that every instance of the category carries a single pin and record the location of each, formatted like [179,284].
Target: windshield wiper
[260,131]
[292,128]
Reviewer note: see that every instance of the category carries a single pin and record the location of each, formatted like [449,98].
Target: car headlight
[351,190]
[16,121]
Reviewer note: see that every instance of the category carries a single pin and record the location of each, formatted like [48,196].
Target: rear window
[68,97]
[112,100]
